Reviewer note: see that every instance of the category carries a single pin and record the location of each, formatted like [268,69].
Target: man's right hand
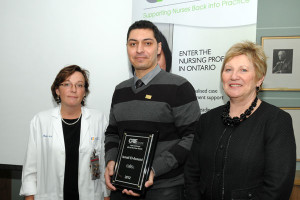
[109,171]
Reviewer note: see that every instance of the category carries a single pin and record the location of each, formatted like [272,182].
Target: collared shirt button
[221,147]
[250,195]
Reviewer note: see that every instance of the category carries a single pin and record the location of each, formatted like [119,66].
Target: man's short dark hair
[144,24]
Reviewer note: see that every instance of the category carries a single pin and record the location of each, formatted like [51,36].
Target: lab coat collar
[85,112]
[57,124]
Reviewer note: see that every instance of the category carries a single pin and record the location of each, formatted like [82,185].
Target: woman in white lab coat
[65,156]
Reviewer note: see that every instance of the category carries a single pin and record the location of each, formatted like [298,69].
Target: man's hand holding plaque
[147,184]
[109,171]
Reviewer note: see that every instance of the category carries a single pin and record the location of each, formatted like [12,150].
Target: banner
[199,33]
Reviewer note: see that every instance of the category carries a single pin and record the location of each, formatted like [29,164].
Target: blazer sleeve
[280,158]
[192,170]
[29,172]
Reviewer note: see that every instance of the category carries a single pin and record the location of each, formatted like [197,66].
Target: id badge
[95,166]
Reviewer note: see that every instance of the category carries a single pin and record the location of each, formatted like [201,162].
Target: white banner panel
[198,54]
[204,13]
[199,33]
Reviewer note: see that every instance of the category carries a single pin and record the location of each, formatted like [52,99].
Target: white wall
[37,39]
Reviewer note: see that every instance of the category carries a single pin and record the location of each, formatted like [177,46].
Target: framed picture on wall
[283,61]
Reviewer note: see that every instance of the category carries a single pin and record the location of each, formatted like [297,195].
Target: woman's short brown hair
[63,74]
[255,54]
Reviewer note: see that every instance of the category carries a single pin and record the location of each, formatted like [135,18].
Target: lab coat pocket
[90,144]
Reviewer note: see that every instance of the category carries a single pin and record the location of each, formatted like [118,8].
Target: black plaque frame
[134,160]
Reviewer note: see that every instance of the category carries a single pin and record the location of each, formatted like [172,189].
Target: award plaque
[134,161]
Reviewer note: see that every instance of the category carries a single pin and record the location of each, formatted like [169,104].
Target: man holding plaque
[152,101]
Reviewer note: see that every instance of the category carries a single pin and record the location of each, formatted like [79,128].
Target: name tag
[95,166]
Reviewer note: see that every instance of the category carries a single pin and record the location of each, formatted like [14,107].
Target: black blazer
[259,158]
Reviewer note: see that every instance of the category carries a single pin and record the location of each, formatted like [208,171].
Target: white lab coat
[44,166]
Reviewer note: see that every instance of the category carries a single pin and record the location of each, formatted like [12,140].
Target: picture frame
[288,100]
[283,61]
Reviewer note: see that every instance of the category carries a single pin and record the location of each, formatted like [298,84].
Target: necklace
[235,121]
[70,124]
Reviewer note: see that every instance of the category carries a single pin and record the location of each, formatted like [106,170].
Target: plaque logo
[133,141]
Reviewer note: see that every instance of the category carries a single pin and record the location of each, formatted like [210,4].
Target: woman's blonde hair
[255,54]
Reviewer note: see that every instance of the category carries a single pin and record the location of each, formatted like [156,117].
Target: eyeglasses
[70,85]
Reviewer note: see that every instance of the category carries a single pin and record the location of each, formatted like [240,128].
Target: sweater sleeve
[111,137]
[29,172]
[280,158]
[186,113]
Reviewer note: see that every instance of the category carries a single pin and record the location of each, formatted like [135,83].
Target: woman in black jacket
[246,148]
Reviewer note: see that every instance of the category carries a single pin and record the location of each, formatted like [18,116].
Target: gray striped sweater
[166,104]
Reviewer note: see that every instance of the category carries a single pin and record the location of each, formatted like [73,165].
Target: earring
[258,88]
[58,100]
